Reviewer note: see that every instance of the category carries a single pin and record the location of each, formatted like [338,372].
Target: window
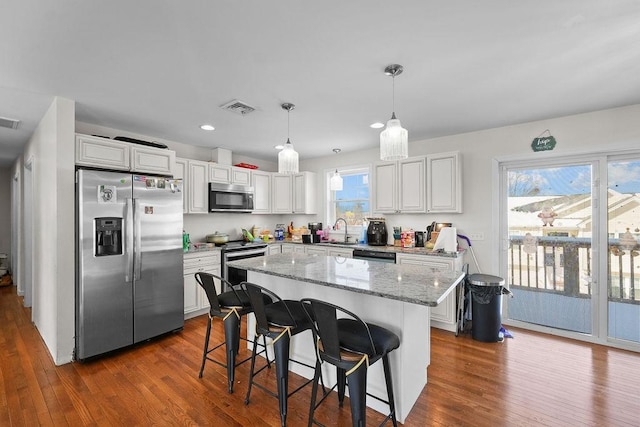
[352,202]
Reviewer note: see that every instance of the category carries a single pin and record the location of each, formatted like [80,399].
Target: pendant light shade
[394,139]
[288,157]
[335,183]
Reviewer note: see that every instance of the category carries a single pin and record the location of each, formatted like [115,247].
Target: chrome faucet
[346,236]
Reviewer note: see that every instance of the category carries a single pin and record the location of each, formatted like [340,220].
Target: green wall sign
[545,143]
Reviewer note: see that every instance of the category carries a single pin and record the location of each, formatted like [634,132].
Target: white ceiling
[162,67]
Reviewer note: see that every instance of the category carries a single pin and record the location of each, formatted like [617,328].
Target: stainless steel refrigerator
[129,281]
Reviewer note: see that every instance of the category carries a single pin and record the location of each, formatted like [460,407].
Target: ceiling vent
[238,107]
[9,123]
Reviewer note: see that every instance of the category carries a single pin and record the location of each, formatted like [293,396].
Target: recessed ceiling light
[278,147]
[376,125]
[207,127]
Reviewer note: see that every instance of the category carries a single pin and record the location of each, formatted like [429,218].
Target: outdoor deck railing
[563,265]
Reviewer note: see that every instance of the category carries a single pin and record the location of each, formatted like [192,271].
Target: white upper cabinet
[118,155]
[444,183]
[304,193]
[198,191]
[399,186]
[102,152]
[240,176]
[281,193]
[261,183]
[227,174]
[219,173]
[152,160]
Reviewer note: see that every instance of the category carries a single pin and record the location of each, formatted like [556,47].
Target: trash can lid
[485,280]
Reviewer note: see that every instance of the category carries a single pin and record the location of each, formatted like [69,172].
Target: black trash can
[486,306]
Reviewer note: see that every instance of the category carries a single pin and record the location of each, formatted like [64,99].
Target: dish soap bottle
[185,241]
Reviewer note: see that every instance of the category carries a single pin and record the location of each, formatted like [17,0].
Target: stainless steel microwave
[230,198]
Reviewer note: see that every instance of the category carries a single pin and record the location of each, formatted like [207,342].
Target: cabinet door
[274,248]
[219,173]
[181,171]
[191,291]
[198,187]
[292,247]
[304,199]
[385,178]
[102,153]
[314,250]
[261,183]
[240,176]
[411,185]
[281,194]
[340,252]
[444,183]
[152,160]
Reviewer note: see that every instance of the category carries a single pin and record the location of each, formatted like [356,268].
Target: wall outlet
[476,236]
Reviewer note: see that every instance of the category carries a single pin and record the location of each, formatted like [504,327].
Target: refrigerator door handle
[137,233]
[129,239]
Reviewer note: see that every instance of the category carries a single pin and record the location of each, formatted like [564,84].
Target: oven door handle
[243,254]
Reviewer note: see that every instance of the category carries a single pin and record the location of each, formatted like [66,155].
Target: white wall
[5,211]
[598,131]
[52,149]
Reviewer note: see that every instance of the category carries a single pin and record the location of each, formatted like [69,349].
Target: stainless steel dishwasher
[380,256]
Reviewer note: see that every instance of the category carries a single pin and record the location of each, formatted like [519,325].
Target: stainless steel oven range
[236,250]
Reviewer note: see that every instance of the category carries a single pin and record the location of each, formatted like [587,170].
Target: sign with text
[544,143]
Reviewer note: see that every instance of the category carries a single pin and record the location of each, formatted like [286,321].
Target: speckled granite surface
[409,283]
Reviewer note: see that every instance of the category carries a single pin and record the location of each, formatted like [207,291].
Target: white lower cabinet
[274,248]
[292,247]
[343,252]
[195,299]
[443,316]
[315,250]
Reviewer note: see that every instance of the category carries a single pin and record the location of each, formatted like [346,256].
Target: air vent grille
[238,107]
[9,123]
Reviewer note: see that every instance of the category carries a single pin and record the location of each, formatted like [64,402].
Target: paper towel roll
[447,240]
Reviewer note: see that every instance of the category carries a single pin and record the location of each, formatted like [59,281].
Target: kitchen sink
[344,243]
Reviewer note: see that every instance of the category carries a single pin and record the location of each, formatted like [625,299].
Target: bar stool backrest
[257,296]
[207,282]
[324,316]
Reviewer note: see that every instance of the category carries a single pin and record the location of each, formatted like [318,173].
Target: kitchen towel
[447,240]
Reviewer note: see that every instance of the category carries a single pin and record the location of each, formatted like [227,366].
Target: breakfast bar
[397,297]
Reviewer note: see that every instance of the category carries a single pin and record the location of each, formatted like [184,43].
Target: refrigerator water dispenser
[108,238]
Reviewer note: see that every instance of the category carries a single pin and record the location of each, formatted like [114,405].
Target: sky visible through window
[624,177]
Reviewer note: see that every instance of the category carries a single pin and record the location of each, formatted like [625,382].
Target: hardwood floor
[529,380]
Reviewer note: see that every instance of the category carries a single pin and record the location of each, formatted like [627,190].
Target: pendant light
[288,157]
[393,140]
[335,183]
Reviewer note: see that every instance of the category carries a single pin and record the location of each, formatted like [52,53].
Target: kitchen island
[394,296]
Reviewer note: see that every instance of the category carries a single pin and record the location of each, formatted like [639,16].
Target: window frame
[330,195]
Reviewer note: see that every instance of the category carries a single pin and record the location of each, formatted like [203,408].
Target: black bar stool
[279,321]
[351,345]
[229,306]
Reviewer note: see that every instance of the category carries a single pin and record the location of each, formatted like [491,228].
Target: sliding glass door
[571,229]
[549,257]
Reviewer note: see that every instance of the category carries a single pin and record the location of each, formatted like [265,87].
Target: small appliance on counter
[314,228]
[377,232]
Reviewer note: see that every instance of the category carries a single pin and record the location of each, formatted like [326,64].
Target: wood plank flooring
[530,380]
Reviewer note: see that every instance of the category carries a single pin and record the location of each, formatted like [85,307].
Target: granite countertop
[396,249]
[409,283]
